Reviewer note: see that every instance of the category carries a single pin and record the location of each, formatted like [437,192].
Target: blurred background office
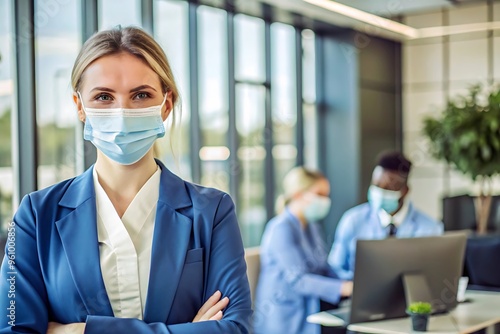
[266,85]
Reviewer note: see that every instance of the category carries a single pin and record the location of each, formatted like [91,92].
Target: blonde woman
[294,274]
[126,247]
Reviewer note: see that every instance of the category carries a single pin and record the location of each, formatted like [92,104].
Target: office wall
[359,113]
[434,70]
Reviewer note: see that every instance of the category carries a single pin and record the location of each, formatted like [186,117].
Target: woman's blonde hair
[131,40]
[297,180]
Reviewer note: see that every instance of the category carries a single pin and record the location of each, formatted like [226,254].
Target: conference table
[481,310]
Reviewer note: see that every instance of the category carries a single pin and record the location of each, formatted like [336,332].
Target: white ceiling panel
[391,8]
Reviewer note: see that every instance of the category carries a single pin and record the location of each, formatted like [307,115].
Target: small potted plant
[419,313]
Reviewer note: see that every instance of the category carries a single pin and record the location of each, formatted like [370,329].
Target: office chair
[459,213]
[480,263]
[252,258]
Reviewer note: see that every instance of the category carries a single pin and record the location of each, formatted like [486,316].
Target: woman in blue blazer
[71,249]
[294,274]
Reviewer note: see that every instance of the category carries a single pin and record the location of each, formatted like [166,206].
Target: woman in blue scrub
[294,274]
[126,247]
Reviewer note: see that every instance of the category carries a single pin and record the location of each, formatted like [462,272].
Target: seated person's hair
[297,180]
[394,161]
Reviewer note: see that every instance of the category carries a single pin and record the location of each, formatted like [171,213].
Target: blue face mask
[318,208]
[386,200]
[123,135]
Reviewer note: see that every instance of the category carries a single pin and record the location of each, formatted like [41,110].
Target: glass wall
[309,99]
[213,90]
[6,98]
[171,31]
[284,101]
[250,62]
[57,33]
[250,72]
[119,12]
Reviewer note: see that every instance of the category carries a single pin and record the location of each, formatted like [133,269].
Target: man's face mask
[387,200]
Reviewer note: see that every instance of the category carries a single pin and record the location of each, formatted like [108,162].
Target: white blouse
[125,247]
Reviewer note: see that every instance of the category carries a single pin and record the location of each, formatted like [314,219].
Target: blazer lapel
[78,234]
[171,237]
[172,233]
[170,244]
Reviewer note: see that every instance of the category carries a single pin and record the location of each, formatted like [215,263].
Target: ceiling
[391,8]
[384,8]
[308,15]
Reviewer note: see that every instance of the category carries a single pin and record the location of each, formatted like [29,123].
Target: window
[171,31]
[309,99]
[119,12]
[60,136]
[250,123]
[6,97]
[284,101]
[250,72]
[213,90]
[250,63]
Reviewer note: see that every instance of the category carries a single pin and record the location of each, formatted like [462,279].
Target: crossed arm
[211,310]
[226,273]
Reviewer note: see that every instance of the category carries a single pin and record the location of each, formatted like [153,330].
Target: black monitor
[391,272]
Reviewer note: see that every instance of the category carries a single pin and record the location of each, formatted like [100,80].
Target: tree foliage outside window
[5,139]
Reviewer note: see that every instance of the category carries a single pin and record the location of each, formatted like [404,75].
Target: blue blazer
[197,249]
[294,277]
[361,222]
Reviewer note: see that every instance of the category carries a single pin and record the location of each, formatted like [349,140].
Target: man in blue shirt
[388,213]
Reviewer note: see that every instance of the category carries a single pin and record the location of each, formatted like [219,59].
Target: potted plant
[419,313]
[467,136]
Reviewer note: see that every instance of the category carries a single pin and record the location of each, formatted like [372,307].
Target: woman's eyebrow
[141,88]
[133,90]
[104,89]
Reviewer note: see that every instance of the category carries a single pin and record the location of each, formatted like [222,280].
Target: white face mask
[317,208]
[124,135]
[382,199]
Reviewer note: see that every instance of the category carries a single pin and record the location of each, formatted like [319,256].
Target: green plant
[467,136]
[419,308]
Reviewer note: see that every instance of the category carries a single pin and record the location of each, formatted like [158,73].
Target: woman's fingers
[214,310]
[217,316]
[210,302]
[57,328]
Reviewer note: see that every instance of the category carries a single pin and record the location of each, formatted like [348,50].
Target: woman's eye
[103,97]
[142,96]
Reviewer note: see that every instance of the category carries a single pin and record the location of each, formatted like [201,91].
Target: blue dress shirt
[361,222]
[197,250]
[294,277]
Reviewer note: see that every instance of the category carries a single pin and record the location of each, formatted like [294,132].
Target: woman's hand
[212,309]
[57,328]
[346,289]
